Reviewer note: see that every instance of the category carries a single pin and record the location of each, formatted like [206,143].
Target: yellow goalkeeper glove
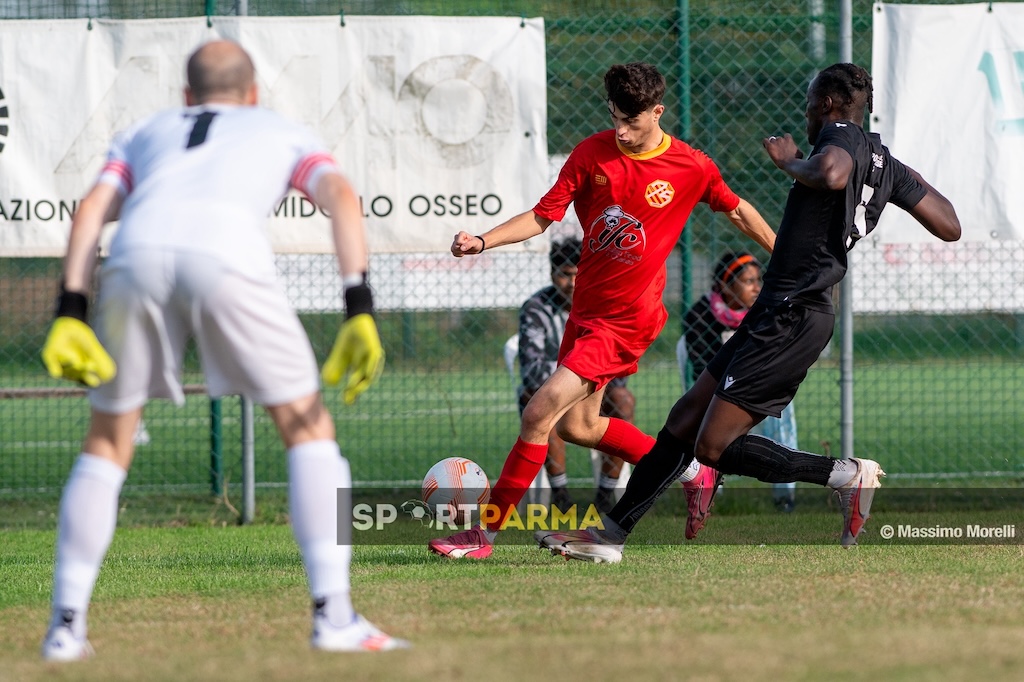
[73,352]
[358,353]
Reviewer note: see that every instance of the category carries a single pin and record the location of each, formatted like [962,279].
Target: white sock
[558,480]
[88,517]
[690,472]
[843,472]
[316,472]
[336,609]
[607,482]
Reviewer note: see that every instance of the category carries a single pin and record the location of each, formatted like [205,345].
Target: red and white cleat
[855,498]
[469,544]
[700,493]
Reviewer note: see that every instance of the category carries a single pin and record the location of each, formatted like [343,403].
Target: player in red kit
[634,188]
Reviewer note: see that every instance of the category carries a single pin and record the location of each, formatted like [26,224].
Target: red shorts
[601,353]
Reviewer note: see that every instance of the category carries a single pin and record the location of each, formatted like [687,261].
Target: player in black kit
[838,193]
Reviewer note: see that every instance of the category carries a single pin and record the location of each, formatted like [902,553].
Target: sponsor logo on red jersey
[616,232]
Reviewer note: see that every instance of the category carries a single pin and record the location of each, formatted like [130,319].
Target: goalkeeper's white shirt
[205,179]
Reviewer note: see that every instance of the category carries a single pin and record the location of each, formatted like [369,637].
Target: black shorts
[760,368]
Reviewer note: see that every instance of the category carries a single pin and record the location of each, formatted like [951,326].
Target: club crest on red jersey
[617,231]
[659,193]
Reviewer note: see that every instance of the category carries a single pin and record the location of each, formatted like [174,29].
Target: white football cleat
[582,545]
[358,636]
[61,645]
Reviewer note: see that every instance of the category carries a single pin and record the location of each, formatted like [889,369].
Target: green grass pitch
[187,594]
[231,604]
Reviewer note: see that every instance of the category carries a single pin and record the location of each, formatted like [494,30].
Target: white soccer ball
[454,489]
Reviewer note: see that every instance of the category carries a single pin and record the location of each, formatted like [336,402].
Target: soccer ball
[454,488]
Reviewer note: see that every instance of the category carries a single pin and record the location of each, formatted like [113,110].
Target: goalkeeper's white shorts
[250,340]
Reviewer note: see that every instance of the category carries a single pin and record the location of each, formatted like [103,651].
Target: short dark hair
[565,252]
[634,87]
[850,88]
[730,264]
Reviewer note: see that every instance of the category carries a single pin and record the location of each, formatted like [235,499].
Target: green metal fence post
[846,424]
[684,86]
[216,449]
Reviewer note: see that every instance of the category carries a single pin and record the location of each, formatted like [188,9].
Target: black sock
[655,472]
[560,495]
[764,459]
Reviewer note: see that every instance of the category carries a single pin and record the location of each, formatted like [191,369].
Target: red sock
[521,467]
[625,441]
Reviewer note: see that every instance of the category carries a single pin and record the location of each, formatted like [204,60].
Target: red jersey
[632,207]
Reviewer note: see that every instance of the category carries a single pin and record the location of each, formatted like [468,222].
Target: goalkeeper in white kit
[192,187]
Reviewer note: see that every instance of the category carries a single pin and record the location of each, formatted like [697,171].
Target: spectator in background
[542,321]
[711,321]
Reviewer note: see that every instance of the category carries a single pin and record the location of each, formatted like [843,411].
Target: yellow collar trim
[666,142]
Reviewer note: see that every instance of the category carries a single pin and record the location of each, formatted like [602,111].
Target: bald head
[220,71]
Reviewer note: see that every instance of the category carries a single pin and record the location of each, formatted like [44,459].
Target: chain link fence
[936,393]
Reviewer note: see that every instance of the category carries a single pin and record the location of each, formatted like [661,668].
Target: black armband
[72,304]
[358,299]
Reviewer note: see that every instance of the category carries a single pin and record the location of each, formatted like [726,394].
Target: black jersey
[819,226]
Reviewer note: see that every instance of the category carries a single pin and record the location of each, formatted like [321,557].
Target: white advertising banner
[949,102]
[440,122]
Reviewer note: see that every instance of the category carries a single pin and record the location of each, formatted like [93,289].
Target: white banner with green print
[949,102]
[440,122]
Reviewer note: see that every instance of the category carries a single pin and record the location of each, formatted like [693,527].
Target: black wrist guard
[358,299]
[72,304]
